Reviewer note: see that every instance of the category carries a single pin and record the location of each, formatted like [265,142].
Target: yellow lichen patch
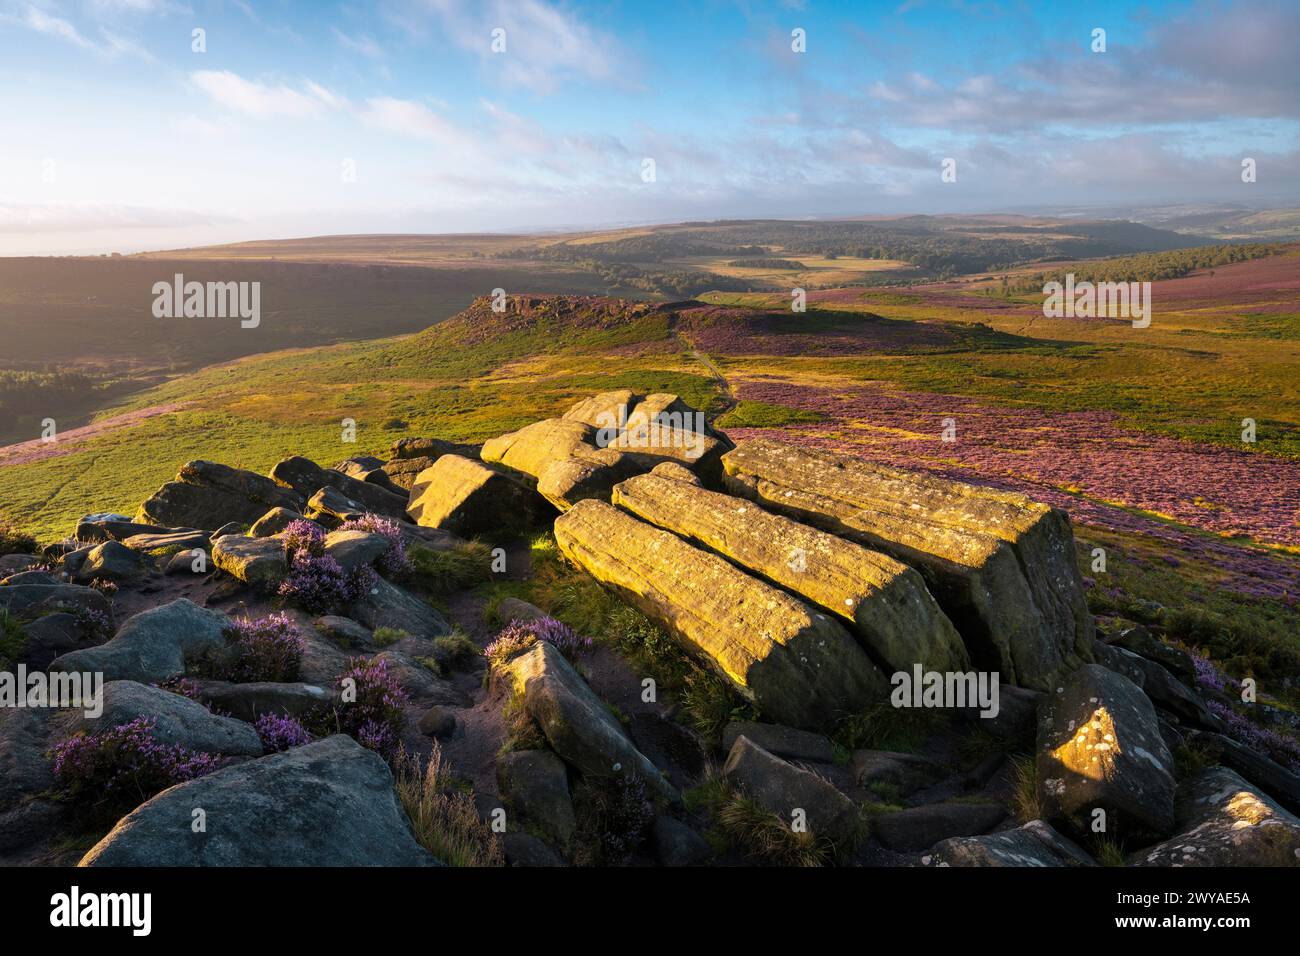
[1092,751]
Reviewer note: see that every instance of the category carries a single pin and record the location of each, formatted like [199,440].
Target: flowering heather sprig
[95,625]
[394,561]
[263,649]
[515,636]
[280,733]
[1208,677]
[302,535]
[372,698]
[316,583]
[118,769]
[105,587]
[182,686]
[1285,750]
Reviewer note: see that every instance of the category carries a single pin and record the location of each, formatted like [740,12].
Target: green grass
[747,414]
[441,572]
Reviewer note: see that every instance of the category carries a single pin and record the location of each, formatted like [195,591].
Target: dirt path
[728,393]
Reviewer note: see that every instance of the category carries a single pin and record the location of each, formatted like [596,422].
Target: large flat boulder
[604,410]
[592,475]
[252,700]
[328,803]
[1225,821]
[177,720]
[795,663]
[1099,748]
[1002,566]
[207,495]
[388,605]
[578,725]
[532,448]
[467,497]
[252,560]
[885,603]
[42,597]
[790,792]
[110,561]
[153,645]
[1034,844]
[306,477]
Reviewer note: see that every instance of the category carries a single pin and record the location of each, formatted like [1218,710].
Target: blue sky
[398,116]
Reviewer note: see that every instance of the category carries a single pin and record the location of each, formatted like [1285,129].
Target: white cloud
[365,45]
[258,99]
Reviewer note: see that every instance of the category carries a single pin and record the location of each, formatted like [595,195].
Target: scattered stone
[328,803]
[251,700]
[153,645]
[207,495]
[1227,822]
[273,522]
[370,469]
[306,477]
[1099,747]
[187,540]
[787,790]
[437,722]
[676,844]
[535,786]
[604,410]
[782,741]
[1140,641]
[798,665]
[332,507]
[903,773]
[345,631]
[467,498]
[919,828]
[257,561]
[177,720]
[111,561]
[24,768]
[524,849]
[1034,844]
[422,686]
[13,563]
[49,637]
[186,562]
[114,527]
[387,605]
[513,609]
[355,549]
[1278,782]
[1001,565]
[32,600]
[885,603]
[578,725]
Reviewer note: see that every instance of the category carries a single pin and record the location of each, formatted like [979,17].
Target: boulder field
[792,588]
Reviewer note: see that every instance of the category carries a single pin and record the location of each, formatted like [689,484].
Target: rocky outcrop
[1002,566]
[412,455]
[795,795]
[1224,821]
[354,549]
[535,786]
[604,410]
[273,522]
[42,597]
[329,803]
[177,720]
[788,742]
[1034,844]
[153,645]
[577,724]
[885,602]
[388,605]
[467,498]
[797,664]
[1100,748]
[252,560]
[207,495]
[306,478]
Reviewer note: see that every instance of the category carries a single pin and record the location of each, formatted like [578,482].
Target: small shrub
[551,631]
[108,773]
[384,636]
[181,686]
[1109,852]
[393,562]
[1025,800]
[371,709]
[614,818]
[263,649]
[319,585]
[442,572]
[508,646]
[302,535]
[95,625]
[13,541]
[13,641]
[280,733]
[105,587]
[445,820]
[762,835]
[455,649]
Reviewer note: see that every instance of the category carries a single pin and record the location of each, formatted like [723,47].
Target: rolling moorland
[914,328]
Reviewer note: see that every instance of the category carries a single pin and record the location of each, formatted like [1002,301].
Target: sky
[121,131]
